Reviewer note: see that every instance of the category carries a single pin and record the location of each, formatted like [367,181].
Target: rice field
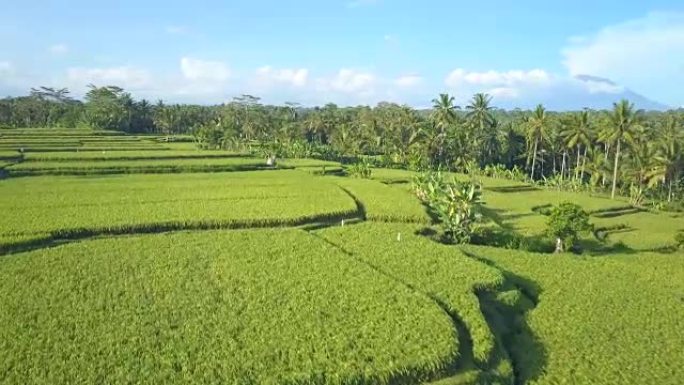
[129,259]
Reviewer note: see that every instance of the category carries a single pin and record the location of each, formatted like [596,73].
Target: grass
[384,203]
[25,145]
[643,230]
[89,295]
[56,132]
[114,144]
[9,155]
[42,148]
[134,166]
[308,163]
[125,155]
[614,319]
[75,206]
[214,307]
[439,271]
[513,206]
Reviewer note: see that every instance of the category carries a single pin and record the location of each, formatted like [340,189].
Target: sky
[349,51]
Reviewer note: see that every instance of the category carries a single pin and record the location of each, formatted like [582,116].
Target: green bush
[566,222]
[360,169]
[679,240]
[455,203]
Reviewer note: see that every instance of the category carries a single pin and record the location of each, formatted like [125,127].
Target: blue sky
[348,52]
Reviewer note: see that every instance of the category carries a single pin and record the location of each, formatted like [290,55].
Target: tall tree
[623,120]
[442,117]
[106,108]
[668,163]
[577,133]
[537,131]
[479,117]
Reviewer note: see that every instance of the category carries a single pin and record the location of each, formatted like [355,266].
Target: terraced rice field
[163,273]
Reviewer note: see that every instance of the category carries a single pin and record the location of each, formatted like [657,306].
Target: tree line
[622,150]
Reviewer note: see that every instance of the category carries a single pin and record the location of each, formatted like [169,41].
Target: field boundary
[60,237]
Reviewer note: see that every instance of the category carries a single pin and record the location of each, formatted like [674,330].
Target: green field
[69,156]
[270,306]
[69,206]
[137,265]
[135,166]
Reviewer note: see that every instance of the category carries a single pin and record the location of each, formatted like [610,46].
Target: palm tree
[669,162]
[512,144]
[443,116]
[406,133]
[479,117]
[144,111]
[315,126]
[443,111]
[577,133]
[598,168]
[479,111]
[623,120]
[489,143]
[537,131]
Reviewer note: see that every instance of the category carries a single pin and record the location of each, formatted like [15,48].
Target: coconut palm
[537,131]
[479,115]
[598,168]
[443,111]
[623,120]
[481,120]
[577,134]
[668,163]
[406,133]
[489,143]
[443,116]
[512,144]
[479,111]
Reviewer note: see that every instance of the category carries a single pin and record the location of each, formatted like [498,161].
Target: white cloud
[646,54]
[349,81]
[59,49]
[460,77]
[597,85]
[511,84]
[177,30]
[406,81]
[268,76]
[12,82]
[503,92]
[127,77]
[203,70]
[6,68]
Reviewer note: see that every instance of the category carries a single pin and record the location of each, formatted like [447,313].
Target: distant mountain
[601,93]
[574,94]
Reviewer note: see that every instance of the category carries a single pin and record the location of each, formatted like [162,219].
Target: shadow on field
[360,208]
[602,233]
[512,189]
[57,238]
[597,248]
[395,181]
[616,212]
[505,311]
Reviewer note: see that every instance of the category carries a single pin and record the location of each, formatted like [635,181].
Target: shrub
[679,240]
[566,222]
[637,195]
[360,169]
[456,204]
